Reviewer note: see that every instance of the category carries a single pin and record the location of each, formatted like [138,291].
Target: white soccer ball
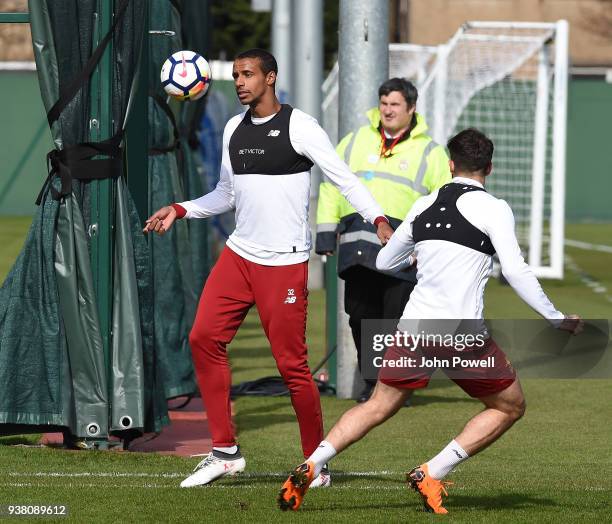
[185,75]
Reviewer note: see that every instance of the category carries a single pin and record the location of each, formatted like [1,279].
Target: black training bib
[443,221]
[266,149]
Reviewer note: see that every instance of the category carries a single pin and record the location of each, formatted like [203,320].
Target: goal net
[510,81]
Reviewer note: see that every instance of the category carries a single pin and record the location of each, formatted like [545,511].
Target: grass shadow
[20,440]
[274,404]
[423,400]
[506,501]
[250,352]
[264,420]
[483,503]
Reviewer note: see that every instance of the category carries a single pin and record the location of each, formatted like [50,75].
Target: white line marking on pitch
[97,474]
[588,246]
[236,486]
[116,474]
[586,279]
[148,485]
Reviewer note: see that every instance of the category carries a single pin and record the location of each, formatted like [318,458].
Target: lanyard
[385,152]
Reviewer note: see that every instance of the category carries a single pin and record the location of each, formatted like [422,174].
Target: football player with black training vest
[453,233]
[265,177]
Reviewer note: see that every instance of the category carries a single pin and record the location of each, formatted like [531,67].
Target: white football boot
[323,480]
[213,468]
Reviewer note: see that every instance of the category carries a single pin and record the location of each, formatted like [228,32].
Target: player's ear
[451,166]
[271,78]
[488,169]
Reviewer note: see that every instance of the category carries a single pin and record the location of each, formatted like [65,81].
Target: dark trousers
[369,294]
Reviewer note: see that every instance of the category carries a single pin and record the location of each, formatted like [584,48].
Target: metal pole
[293,67]
[363,58]
[308,56]
[364,65]
[307,96]
[281,47]
[331,328]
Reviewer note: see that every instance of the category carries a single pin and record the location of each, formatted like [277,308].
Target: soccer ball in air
[185,75]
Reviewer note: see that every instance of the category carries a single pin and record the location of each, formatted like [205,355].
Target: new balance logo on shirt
[274,132]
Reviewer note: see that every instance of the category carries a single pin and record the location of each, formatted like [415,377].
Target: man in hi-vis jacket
[398,162]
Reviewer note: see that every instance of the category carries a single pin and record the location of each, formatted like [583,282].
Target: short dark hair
[471,151]
[267,61]
[405,87]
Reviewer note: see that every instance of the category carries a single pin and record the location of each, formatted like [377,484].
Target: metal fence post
[364,40]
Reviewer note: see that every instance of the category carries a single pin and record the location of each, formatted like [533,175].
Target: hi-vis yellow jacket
[416,167]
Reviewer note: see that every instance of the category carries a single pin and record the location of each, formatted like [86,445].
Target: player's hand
[384,232]
[160,221]
[572,323]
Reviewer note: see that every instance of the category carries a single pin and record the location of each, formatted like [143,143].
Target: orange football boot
[430,489]
[292,493]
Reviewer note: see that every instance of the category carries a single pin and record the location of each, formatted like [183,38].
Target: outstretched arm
[518,274]
[309,139]
[219,200]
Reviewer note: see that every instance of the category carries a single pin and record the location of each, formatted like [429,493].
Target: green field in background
[570,295]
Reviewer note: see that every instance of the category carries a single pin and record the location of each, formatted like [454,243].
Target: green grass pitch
[554,465]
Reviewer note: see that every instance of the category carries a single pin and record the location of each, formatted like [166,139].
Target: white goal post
[508,79]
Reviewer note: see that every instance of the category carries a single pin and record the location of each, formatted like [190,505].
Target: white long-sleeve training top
[272,209]
[451,278]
